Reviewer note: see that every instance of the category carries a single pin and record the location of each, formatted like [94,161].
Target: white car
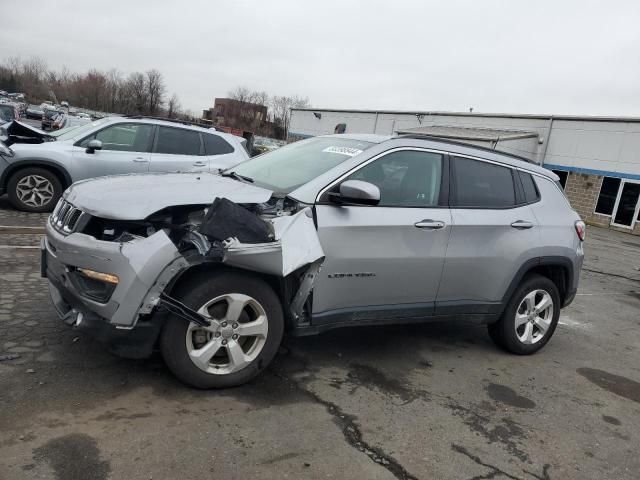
[36,167]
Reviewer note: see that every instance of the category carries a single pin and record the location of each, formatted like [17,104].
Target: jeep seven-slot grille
[66,218]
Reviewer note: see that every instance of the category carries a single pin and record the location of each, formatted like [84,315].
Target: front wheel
[246,329]
[34,189]
[530,318]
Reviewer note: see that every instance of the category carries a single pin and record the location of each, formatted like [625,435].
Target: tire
[179,338]
[46,193]
[535,325]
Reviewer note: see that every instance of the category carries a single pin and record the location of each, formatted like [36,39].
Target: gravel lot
[436,401]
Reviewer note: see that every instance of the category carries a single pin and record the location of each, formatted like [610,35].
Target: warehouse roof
[468,133]
[583,118]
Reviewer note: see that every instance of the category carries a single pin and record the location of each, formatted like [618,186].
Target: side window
[177,141]
[608,195]
[216,145]
[406,178]
[124,137]
[530,190]
[482,184]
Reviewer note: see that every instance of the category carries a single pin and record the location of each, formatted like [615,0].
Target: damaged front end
[273,240]
[147,258]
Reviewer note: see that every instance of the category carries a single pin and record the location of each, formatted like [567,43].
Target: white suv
[34,174]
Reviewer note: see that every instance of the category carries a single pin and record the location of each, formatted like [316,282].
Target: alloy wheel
[534,316]
[236,336]
[34,190]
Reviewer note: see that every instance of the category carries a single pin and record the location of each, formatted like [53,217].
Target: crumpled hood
[18,132]
[136,196]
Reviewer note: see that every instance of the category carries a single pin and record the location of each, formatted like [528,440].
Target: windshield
[287,168]
[73,132]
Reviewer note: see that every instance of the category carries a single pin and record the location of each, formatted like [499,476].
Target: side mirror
[356,192]
[94,145]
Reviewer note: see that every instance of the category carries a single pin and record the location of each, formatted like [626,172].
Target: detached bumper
[137,264]
[137,342]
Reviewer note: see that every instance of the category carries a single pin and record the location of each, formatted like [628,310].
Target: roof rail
[172,120]
[425,136]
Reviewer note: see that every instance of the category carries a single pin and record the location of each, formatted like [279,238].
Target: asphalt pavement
[435,401]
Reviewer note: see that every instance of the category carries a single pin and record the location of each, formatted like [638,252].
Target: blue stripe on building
[591,171]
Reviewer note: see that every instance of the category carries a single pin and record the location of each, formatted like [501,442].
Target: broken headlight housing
[93,285]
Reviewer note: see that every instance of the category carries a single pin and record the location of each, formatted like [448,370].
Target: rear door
[125,149]
[494,233]
[178,150]
[385,261]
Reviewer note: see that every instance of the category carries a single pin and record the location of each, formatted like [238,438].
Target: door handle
[522,224]
[140,160]
[199,164]
[429,224]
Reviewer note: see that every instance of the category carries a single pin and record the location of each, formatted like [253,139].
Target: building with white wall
[597,158]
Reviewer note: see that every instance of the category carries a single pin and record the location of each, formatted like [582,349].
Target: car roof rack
[424,136]
[172,120]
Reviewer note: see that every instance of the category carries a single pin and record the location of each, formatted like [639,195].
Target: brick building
[596,158]
[247,116]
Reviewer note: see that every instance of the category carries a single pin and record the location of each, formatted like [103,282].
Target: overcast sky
[536,56]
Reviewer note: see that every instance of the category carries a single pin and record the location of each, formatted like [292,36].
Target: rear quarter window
[216,145]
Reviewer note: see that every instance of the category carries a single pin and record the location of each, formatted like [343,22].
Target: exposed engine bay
[276,238]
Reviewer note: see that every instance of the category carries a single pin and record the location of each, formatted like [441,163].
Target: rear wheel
[34,190]
[246,330]
[530,318]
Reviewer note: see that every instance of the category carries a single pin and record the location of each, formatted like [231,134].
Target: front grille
[66,218]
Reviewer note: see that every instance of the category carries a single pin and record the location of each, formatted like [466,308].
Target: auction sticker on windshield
[351,152]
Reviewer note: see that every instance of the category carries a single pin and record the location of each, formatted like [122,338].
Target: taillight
[581,230]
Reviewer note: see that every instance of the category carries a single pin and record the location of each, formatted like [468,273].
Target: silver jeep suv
[333,231]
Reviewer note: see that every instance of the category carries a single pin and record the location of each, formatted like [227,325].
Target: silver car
[36,167]
[333,231]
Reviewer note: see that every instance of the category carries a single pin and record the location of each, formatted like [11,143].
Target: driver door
[126,148]
[385,261]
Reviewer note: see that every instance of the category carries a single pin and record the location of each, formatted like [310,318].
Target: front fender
[17,164]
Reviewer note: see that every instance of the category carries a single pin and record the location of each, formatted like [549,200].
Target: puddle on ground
[73,456]
[508,396]
[622,386]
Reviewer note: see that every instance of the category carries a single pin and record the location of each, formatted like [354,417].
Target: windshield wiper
[237,176]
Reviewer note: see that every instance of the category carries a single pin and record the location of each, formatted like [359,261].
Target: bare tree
[242,94]
[136,94]
[155,91]
[281,108]
[173,106]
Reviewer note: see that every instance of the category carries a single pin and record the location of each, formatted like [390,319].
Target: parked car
[64,120]
[264,144]
[35,175]
[340,230]
[8,112]
[34,111]
[49,117]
